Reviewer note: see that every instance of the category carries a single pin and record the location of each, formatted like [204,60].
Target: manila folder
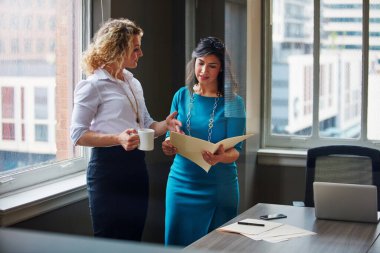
[192,148]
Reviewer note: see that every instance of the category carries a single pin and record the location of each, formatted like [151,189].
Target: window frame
[270,140]
[16,181]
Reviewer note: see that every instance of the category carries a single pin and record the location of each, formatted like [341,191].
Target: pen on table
[251,223]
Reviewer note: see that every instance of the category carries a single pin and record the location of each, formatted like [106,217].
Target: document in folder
[192,148]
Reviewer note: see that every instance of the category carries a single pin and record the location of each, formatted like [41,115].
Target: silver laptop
[348,202]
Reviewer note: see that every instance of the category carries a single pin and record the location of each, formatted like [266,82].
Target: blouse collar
[101,73]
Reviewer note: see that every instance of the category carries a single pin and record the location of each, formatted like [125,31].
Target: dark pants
[118,188]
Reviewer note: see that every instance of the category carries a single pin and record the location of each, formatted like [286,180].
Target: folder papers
[271,231]
[192,148]
[250,230]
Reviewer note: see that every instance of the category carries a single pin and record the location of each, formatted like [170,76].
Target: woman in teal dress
[197,202]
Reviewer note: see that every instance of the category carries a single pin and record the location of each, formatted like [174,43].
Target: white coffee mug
[146,139]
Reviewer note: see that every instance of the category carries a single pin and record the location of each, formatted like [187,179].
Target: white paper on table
[276,240]
[250,230]
[285,230]
[280,234]
[285,237]
[192,148]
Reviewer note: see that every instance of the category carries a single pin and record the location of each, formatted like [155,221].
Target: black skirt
[118,188]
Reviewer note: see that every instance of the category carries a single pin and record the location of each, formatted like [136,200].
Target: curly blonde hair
[110,44]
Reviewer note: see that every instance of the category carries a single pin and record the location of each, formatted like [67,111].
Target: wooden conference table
[332,236]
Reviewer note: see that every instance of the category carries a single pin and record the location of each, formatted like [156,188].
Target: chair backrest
[342,164]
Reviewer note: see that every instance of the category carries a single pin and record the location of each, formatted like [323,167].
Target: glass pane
[235,27]
[40,103]
[374,71]
[8,131]
[40,44]
[292,67]
[41,132]
[7,96]
[340,69]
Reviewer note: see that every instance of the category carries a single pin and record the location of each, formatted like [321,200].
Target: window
[7,96]
[28,45]
[235,27]
[41,132]
[38,70]
[316,51]
[40,103]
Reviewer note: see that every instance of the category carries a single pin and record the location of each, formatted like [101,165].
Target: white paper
[192,148]
[286,237]
[271,232]
[250,230]
[281,233]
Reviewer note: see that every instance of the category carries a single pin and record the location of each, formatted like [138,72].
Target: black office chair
[342,164]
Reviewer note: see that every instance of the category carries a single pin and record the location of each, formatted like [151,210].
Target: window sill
[282,157]
[29,203]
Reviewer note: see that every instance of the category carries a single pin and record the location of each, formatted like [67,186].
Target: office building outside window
[319,89]
[41,44]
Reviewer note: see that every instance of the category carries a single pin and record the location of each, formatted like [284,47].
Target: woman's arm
[128,139]
[235,127]
[169,124]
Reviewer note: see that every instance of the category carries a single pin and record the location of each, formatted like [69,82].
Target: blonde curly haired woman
[108,109]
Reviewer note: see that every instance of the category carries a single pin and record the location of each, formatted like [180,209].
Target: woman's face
[130,61]
[207,69]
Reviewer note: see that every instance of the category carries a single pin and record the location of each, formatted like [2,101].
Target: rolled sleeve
[86,102]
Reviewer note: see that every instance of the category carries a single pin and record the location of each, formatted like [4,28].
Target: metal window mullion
[365,55]
[316,62]
[87,17]
[87,32]
[190,19]
[267,61]
[17,113]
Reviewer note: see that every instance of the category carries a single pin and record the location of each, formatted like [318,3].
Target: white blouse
[106,105]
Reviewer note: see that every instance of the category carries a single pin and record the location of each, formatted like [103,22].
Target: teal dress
[197,202]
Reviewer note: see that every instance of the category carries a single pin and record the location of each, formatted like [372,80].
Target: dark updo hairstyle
[212,46]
